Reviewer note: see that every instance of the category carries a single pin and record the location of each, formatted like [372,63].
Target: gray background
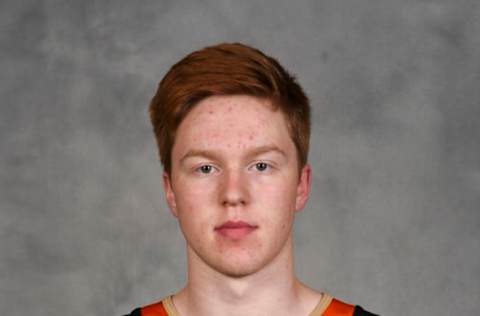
[393,221]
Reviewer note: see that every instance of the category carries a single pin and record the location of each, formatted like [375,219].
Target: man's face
[234,160]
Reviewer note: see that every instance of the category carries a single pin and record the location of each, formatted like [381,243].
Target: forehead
[235,122]
[225,107]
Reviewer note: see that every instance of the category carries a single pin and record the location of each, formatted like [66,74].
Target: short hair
[227,69]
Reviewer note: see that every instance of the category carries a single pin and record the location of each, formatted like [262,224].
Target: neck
[272,289]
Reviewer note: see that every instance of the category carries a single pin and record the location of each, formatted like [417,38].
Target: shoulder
[155,309]
[337,307]
[135,312]
[361,312]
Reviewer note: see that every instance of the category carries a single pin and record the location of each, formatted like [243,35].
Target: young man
[233,131]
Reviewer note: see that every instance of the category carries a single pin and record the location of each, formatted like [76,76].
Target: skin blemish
[242,145]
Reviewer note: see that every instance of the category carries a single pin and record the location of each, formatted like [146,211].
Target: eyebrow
[255,152]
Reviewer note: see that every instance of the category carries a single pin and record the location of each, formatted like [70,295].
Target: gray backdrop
[393,221]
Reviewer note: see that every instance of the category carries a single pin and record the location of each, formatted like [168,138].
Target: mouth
[235,229]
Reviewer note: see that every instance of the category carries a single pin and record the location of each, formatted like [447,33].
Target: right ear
[169,194]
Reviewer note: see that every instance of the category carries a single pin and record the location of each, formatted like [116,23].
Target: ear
[303,188]
[169,194]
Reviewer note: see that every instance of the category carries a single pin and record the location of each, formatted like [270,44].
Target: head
[233,127]
[227,69]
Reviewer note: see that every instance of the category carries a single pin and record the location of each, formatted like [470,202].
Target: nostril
[234,202]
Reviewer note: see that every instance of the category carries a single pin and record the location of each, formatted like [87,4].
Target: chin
[235,262]
[237,270]
[237,266]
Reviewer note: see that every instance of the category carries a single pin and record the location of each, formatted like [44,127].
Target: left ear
[303,188]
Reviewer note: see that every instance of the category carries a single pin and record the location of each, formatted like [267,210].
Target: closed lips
[235,224]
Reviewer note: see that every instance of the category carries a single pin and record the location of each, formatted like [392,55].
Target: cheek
[276,204]
[194,204]
[276,192]
[191,195]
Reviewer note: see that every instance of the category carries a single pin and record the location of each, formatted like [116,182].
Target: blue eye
[261,166]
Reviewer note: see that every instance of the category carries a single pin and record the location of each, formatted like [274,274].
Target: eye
[262,166]
[205,169]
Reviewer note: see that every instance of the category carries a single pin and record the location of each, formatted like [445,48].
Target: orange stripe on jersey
[156,309]
[339,308]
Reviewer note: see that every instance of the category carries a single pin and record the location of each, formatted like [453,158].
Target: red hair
[227,69]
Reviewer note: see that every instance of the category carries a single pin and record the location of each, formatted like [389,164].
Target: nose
[234,189]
